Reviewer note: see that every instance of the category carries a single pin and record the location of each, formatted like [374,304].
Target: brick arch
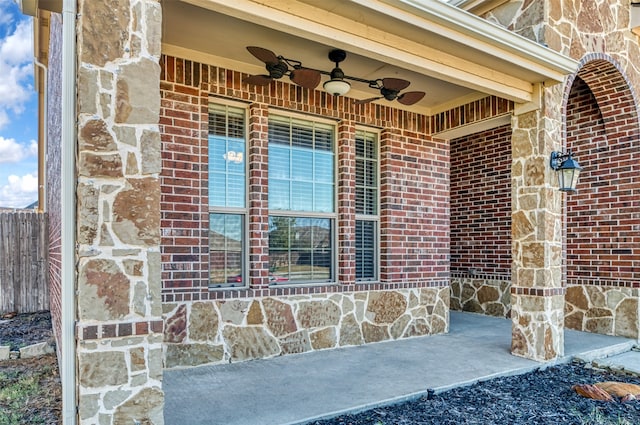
[602,244]
[610,86]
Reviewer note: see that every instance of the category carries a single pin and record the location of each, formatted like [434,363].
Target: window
[366,206]
[227,198]
[301,200]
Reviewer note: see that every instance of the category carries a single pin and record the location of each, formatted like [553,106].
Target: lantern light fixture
[567,169]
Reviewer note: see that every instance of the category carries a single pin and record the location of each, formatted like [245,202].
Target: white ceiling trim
[482,34]
[326,27]
[476,127]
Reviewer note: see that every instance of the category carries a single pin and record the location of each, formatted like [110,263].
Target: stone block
[192,354]
[5,350]
[255,316]
[175,329]
[100,369]
[36,350]
[233,311]
[136,212]
[203,322]
[295,343]
[350,332]
[323,338]
[247,343]
[103,35]
[280,320]
[318,314]
[145,407]
[374,333]
[385,307]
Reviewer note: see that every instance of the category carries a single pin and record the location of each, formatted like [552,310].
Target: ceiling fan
[278,67]
[390,89]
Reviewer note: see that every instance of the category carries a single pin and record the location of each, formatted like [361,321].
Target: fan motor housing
[277,70]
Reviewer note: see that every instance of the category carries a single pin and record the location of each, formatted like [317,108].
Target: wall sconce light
[568,170]
[337,86]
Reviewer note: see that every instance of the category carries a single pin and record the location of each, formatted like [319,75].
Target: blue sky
[18,109]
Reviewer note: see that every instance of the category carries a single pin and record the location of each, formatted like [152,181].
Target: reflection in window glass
[300,157]
[301,181]
[366,206]
[225,249]
[227,156]
[227,195]
[299,249]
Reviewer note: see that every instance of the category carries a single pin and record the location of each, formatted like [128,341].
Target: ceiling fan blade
[371,99]
[307,78]
[395,84]
[258,80]
[410,97]
[265,55]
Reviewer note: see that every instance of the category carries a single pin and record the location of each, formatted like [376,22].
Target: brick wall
[603,225]
[481,203]
[414,184]
[54,173]
[481,222]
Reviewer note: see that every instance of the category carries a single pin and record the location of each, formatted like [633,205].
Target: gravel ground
[540,397]
[30,389]
[25,329]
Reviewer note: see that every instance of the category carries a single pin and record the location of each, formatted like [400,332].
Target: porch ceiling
[452,55]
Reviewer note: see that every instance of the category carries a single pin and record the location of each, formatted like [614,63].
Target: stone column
[119,351]
[537,295]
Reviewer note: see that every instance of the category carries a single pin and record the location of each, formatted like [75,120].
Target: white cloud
[19,191]
[17,48]
[16,70]
[12,151]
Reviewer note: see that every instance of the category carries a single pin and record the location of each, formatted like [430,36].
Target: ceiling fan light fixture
[337,87]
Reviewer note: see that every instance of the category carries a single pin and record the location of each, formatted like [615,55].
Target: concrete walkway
[299,388]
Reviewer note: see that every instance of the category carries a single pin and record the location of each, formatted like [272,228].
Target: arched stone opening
[602,228]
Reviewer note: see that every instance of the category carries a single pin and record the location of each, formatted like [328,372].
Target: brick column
[258,243]
[537,296]
[346,202]
[119,351]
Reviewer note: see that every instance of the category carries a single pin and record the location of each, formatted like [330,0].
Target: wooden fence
[23,262]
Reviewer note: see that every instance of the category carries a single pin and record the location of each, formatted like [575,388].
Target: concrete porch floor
[296,389]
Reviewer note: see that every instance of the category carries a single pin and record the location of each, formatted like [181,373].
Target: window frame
[375,218]
[243,212]
[331,216]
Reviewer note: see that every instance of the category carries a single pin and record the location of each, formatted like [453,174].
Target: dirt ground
[30,389]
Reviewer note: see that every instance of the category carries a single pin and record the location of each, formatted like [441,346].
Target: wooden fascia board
[480,7]
[325,27]
[481,35]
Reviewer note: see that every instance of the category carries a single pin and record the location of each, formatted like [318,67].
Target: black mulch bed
[25,329]
[540,397]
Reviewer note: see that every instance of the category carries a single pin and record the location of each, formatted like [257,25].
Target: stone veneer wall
[597,34]
[484,294]
[119,328]
[481,222]
[235,330]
